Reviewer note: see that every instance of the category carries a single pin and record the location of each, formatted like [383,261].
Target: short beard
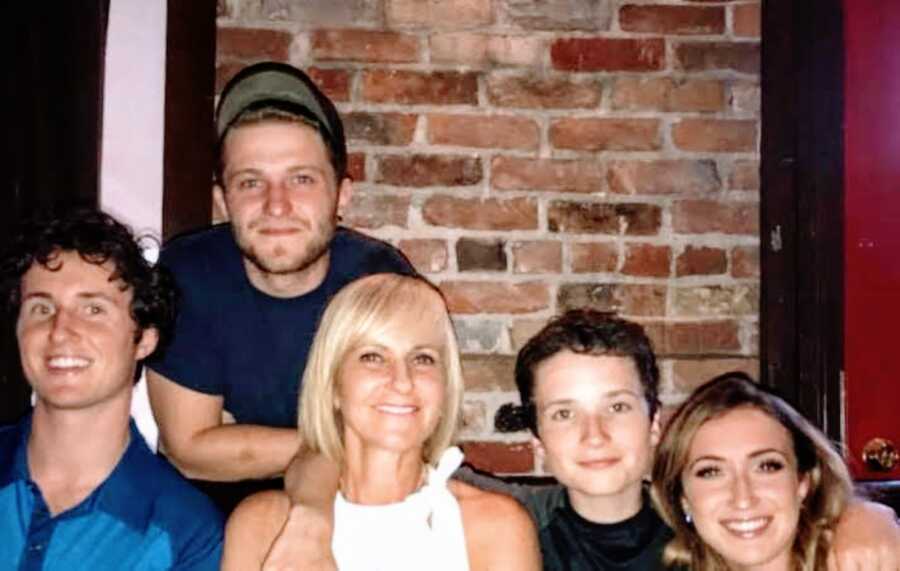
[318,245]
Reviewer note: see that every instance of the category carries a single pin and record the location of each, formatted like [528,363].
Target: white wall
[131,177]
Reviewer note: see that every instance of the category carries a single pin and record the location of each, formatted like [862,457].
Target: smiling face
[596,434]
[281,197]
[76,334]
[390,390]
[742,488]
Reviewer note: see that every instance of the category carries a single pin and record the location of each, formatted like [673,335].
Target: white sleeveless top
[424,531]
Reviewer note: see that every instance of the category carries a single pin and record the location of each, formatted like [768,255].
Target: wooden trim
[190,85]
[801,313]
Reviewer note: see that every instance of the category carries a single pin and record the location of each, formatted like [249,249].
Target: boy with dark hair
[79,488]
[588,383]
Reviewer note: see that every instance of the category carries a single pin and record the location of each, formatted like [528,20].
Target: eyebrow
[81,295]
[757,453]
[606,395]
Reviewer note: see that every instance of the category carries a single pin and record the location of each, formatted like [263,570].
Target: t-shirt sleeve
[190,357]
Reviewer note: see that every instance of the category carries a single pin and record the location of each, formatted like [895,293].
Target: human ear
[147,343]
[344,194]
[655,429]
[220,202]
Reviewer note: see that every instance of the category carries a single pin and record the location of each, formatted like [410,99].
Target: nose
[401,379]
[61,326]
[743,494]
[593,429]
[277,202]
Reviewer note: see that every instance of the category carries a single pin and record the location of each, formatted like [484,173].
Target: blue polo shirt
[143,517]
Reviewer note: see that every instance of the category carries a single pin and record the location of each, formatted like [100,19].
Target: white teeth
[746,525]
[68,362]
[396,409]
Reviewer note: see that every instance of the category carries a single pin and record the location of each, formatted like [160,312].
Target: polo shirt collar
[128,492]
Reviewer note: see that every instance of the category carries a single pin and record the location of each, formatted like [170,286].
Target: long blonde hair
[364,309]
[829,481]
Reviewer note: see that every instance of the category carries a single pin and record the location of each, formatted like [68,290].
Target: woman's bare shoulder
[499,532]
[252,527]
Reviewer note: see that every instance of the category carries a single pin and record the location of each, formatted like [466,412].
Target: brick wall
[532,156]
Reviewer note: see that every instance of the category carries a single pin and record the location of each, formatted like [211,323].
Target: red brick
[426,255]
[663,177]
[593,134]
[252,44]
[744,176]
[747,20]
[466,297]
[742,57]
[480,255]
[590,257]
[428,170]
[535,92]
[364,46]
[672,19]
[608,54]
[374,211]
[700,260]
[700,338]
[478,214]
[703,216]
[500,457]
[715,135]
[335,83]
[690,374]
[489,372]
[667,94]
[745,262]
[225,70]
[380,128]
[438,13]
[483,49]
[497,131]
[554,175]
[628,299]
[413,87]
[647,260]
[537,257]
[603,218]
[356,166]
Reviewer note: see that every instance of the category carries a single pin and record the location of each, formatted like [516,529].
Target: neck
[71,452]
[290,284]
[381,477]
[611,508]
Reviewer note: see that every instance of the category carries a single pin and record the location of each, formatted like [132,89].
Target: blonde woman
[746,482]
[381,398]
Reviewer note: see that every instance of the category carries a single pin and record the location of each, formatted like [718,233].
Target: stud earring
[687,518]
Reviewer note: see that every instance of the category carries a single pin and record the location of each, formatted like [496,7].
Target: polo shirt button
[36,546]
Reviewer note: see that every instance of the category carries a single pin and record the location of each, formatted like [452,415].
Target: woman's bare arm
[252,528]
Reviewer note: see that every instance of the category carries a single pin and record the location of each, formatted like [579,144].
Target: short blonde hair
[830,486]
[362,310]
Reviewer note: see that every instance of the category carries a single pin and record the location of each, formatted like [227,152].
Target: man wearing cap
[253,289]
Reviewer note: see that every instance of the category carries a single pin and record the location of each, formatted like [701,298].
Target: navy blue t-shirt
[233,340]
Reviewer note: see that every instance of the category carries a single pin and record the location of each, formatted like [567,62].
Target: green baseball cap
[284,87]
